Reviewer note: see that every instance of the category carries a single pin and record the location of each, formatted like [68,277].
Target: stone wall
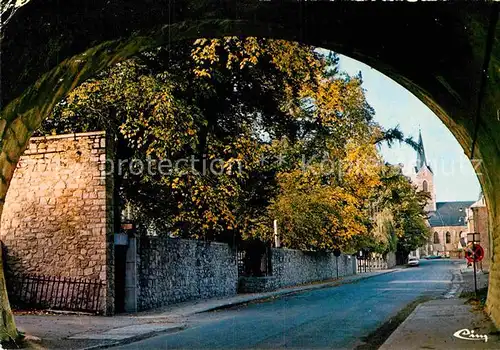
[294,267]
[175,270]
[251,284]
[58,211]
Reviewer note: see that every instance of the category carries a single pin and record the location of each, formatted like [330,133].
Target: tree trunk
[8,330]
[203,142]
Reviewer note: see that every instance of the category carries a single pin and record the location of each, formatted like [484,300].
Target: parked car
[413,261]
[432,257]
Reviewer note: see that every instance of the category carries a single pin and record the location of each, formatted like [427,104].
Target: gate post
[131,276]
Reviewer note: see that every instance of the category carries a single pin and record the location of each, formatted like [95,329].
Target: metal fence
[58,293]
[371,264]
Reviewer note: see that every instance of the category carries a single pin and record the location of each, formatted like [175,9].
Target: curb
[135,338]
[418,304]
[103,346]
[277,295]
[456,286]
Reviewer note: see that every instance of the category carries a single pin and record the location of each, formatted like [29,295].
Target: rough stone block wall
[57,213]
[175,270]
[257,284]
[292,267]
[493,301]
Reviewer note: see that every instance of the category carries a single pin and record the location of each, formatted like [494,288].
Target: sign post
[475,278]
[475,254]
[337,253]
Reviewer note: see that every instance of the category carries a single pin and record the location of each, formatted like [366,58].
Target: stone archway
[450,59]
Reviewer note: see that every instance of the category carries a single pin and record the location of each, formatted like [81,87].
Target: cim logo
[469,335]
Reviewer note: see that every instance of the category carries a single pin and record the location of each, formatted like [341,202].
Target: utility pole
[276,239]
[475,279]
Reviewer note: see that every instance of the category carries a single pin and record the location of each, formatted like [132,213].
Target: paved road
[335,317]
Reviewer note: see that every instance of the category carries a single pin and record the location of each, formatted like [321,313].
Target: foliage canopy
[257,130]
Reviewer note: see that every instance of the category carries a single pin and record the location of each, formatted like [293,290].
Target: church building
[447,220]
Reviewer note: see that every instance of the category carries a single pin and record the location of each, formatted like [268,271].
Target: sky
[454,176]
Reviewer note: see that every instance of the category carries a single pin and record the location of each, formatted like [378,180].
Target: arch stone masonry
[447,55]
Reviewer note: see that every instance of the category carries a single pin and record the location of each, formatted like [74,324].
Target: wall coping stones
[68,136]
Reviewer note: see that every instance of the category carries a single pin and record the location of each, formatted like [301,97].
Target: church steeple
[423,176]
[421,160]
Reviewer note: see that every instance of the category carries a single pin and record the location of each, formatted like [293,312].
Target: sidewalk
[432,325]
[93,332]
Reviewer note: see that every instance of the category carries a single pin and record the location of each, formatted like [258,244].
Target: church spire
[421,161]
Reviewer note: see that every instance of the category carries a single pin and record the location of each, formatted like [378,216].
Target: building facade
[478,222]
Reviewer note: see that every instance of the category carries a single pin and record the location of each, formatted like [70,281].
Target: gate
[254,259]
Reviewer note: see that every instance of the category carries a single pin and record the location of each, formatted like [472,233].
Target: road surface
[337,317]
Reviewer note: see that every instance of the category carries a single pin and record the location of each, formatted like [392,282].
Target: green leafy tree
[407,206]
[214,98]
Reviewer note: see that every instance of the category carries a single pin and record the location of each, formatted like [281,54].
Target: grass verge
[375,339]
[479,299]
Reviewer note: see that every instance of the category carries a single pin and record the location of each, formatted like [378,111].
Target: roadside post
[276,238]
[337,253]
[474,254]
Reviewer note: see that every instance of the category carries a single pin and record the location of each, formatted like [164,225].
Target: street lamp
[473,237]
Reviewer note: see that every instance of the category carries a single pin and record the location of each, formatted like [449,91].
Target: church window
[448,237]
[436,238]
[425,187]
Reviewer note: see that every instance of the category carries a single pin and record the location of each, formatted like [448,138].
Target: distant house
[478,222]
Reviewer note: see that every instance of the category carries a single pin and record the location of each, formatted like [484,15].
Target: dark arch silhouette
[448,58]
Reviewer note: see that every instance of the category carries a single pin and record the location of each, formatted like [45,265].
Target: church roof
[480,202]
[449,214]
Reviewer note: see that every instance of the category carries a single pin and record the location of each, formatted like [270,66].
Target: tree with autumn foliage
[323,204]
[205,100]
[261,107]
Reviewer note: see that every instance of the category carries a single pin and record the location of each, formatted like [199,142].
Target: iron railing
[58,293]
[371,264]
